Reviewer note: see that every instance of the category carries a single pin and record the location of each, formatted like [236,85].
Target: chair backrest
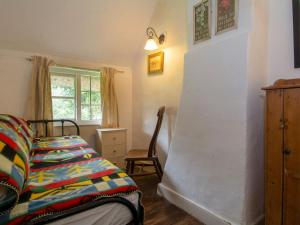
[152,146]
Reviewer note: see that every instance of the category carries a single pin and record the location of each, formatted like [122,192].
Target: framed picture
[202,21]
[296,22]
[156,63]
[227,15]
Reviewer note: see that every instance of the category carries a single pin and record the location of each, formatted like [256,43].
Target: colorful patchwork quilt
[15,145]
[64,174]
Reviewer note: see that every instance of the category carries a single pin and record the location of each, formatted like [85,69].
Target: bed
[61,180]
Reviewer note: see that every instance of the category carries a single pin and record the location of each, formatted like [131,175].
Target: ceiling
[109,31]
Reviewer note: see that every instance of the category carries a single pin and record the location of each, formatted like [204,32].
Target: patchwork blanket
[15,145]
[65,173]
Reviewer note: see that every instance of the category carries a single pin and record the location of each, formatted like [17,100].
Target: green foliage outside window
[65,100]
[63,108]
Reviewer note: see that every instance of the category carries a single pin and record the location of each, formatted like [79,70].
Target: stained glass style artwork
[227,12]
[202,21]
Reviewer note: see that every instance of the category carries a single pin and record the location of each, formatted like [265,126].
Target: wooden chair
[146,157]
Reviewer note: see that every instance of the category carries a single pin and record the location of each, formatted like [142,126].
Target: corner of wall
[256,79]
[152,91]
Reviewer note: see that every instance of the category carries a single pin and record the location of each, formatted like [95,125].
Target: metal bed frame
[46,122]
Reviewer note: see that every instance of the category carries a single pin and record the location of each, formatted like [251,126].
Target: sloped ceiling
[109,31]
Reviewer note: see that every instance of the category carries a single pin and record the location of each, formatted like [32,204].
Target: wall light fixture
[151,42]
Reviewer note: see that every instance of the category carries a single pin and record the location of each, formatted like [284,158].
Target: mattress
[109,214]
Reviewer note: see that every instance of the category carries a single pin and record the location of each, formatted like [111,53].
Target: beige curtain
[110,114]
[39,105]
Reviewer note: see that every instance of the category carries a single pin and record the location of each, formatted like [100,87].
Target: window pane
[85,83]
[63,108]
[96,98]
[95,83]
[85,97]
[96,112]
[62,86]
[85,112]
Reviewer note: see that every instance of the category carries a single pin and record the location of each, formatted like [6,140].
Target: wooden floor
[159,211]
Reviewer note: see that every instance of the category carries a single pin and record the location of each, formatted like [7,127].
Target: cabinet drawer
[113,138]
[118,161]
[110,151]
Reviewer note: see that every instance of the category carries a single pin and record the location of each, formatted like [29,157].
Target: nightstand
[111,144]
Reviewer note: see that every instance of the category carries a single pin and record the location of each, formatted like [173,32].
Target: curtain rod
[74,67]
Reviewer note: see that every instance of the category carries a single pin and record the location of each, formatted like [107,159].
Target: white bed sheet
[108,214]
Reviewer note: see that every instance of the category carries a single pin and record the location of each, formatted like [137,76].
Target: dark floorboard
[159,211]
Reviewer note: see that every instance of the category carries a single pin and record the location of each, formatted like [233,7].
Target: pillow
[14,166]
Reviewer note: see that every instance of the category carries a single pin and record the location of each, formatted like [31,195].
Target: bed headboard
[63,121]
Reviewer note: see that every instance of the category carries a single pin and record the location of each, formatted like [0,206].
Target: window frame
[77,96]
[78,93]
[66,97]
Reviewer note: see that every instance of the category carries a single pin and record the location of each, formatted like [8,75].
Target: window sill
[79,123]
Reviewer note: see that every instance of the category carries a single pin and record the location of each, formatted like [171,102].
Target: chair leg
[159,166]
[128,163]
[142,167]
[132,166]
[157,169]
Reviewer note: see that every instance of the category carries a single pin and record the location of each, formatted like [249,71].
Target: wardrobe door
[273,157]
[291,192]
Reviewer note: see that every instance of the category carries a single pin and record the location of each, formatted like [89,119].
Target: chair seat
[137,153]
[140,157]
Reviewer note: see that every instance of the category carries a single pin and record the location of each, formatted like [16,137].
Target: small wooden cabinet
[282,153]
[111,144]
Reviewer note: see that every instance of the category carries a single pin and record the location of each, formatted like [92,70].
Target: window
[76,94]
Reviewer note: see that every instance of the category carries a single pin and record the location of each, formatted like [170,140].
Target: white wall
[214,168]
[152,91]
[280,41]
[257,78]
[15,75]
[207,159]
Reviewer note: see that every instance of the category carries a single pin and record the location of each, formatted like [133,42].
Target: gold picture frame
[156,63]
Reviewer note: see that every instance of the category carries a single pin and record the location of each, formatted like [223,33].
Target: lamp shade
[151,45]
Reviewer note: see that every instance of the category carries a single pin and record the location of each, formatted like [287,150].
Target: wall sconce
[151,43]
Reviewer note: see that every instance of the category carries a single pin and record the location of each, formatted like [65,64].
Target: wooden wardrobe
[282,153]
